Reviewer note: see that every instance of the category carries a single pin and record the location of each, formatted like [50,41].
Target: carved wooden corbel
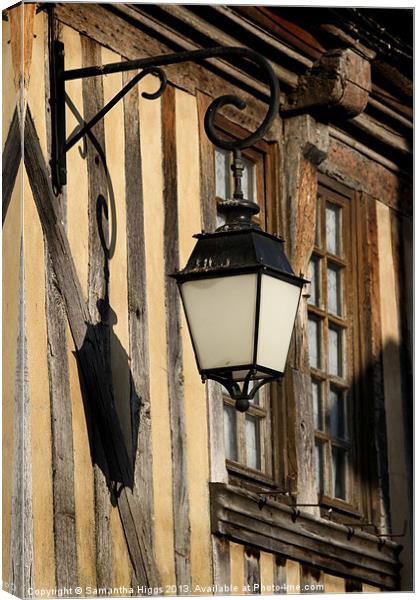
[338,84]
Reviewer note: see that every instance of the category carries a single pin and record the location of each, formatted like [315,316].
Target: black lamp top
[238,251]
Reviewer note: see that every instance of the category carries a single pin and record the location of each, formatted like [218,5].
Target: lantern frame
[229,253]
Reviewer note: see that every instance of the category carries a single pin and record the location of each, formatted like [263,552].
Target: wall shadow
[112,429]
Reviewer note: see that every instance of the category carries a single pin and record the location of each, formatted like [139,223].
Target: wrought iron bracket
[59,76]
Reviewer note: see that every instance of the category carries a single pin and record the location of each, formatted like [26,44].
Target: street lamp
[240,298]
[238,289]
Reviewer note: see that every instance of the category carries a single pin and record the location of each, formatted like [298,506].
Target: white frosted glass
[314,279]
[319,466]
[248,180]
[332,224]
[313,334]
[221,315]
[334,352]
[231,448]
[252,442]
[278,304]
[222,173]
[333,281]
[317,404]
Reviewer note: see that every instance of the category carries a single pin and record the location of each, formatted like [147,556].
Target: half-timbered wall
[138,189]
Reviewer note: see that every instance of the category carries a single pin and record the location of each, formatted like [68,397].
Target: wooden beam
[11,160]
[89,348]
[98,290]
[317,542]
[182,530]
[138,314]
[21,538]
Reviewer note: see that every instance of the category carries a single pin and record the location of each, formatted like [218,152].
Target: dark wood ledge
[315,541]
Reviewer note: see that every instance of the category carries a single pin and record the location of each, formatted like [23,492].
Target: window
[248,436]
[330,340]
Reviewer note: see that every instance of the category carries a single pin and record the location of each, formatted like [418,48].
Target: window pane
[337,414]
[222,173]
[231,448]
[319,466]
[334,352]
[314,277]
[332,224]
[334,290]
[252,441]
[318,221]
[317,404]
[314,358]
[249,184]
[339,466]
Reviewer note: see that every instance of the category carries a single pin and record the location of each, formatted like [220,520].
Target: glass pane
[231,448]
[276,325]
[334,352]
[221,318]
[332,224]
[337,414]
[318,221]
[334,290]
[249,184]
[339,462]
[222,173]
[314,358]
[252,442]
[317,404]
[319,466]
[314,278]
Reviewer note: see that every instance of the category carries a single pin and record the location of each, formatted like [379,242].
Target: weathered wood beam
[21,539]
[306,146]
[64,513]
[89,348]
[11,160]
[137,315]
[182,529]
[98,284]
[317,542]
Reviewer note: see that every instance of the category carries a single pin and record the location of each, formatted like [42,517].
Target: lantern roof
[235,251]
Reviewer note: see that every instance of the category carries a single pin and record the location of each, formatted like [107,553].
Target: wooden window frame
[347,321]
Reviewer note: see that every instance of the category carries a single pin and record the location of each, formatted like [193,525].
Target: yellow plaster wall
[188,178]
[333,584]
[237,567]
[77,179]
[293,576]
[267,572]
[150,138]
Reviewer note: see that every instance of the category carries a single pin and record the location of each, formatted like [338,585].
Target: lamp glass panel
[278,305]
[221,316]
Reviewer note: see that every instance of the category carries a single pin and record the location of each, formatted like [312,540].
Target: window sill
[249,475]
[236,516]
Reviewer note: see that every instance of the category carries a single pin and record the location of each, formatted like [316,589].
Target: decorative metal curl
[240,104]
